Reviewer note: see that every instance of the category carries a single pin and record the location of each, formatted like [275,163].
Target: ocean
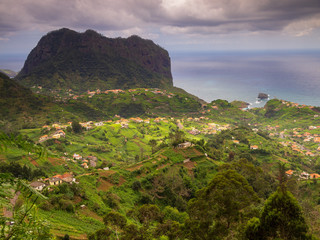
[288,75]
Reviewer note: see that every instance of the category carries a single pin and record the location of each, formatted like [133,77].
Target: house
[106,168]
[236,141]
[314,176]
[77,156]
[304,175]
[56,136]
[310,154]
[93,158]
[124,125]
[43,138]
[186,160]
[56,126]
[99,124]
[61,133]
[180,126]
[185,145]
[289,173]
[38,185]
[137,120]
[194,131]
[93,163]
[55,181]
[84,165]
[316,139]
[254,147]
[68,178]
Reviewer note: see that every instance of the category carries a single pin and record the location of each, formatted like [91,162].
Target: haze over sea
[288,75]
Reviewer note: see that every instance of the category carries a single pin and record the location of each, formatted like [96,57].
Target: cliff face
[82,61]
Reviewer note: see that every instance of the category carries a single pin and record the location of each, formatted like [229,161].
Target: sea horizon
[292,75]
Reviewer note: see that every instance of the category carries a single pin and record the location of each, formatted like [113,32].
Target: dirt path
[8,213]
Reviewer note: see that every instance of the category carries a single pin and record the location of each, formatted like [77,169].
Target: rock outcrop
[82,61]
[263,96]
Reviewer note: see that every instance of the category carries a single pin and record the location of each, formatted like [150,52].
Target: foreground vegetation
[177,169]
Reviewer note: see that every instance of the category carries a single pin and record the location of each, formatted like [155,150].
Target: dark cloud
[171,16]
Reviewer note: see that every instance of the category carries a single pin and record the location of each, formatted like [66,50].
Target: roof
[54,179]
[289,172]
[314,175]
[36,184]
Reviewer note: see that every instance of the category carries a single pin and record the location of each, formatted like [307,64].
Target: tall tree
[281,217]
[219,205]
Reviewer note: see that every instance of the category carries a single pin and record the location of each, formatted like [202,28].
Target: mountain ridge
[67,59]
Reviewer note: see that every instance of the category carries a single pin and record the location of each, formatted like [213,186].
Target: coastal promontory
[80,61]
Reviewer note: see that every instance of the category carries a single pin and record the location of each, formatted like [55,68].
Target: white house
[38,185]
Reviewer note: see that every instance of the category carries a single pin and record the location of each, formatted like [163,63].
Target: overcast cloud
[166,19]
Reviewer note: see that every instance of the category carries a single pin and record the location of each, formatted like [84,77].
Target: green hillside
[153,185]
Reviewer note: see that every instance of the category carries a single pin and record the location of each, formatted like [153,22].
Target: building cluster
[56,135]
[85,162]
[302,175]
[53,181]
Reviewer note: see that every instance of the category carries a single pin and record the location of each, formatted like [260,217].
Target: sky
[176,25]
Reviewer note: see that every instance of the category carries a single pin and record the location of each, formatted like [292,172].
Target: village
[70,94]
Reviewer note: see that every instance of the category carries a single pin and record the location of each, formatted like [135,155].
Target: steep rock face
[82,61]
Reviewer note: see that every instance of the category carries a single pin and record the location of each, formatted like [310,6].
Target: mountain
[8,72]
[87,61]
[14,97]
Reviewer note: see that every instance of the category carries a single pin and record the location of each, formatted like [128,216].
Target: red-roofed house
[314,176]
[289,173]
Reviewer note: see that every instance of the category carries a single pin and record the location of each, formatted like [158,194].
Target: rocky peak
[76,59]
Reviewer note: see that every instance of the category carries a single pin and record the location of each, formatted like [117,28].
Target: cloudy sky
[177,25]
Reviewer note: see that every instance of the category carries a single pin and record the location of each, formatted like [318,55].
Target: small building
[236,141]
[84,165]
[68,178]
[316,139]
[186,160]
[93,158]
[310,154]
[61,133]
[38,185]
[254,147]
[55,181]
[93,163]
[185,145]
[98,124]
[124,125]
[314,176]
[289,173]
[43,138]
[304,175]
[77,156]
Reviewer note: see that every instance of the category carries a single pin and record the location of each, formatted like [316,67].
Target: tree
[217,207]
[116,221]
[148,213]
[176,137]
[153,144]
[76,127]
[281,216]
